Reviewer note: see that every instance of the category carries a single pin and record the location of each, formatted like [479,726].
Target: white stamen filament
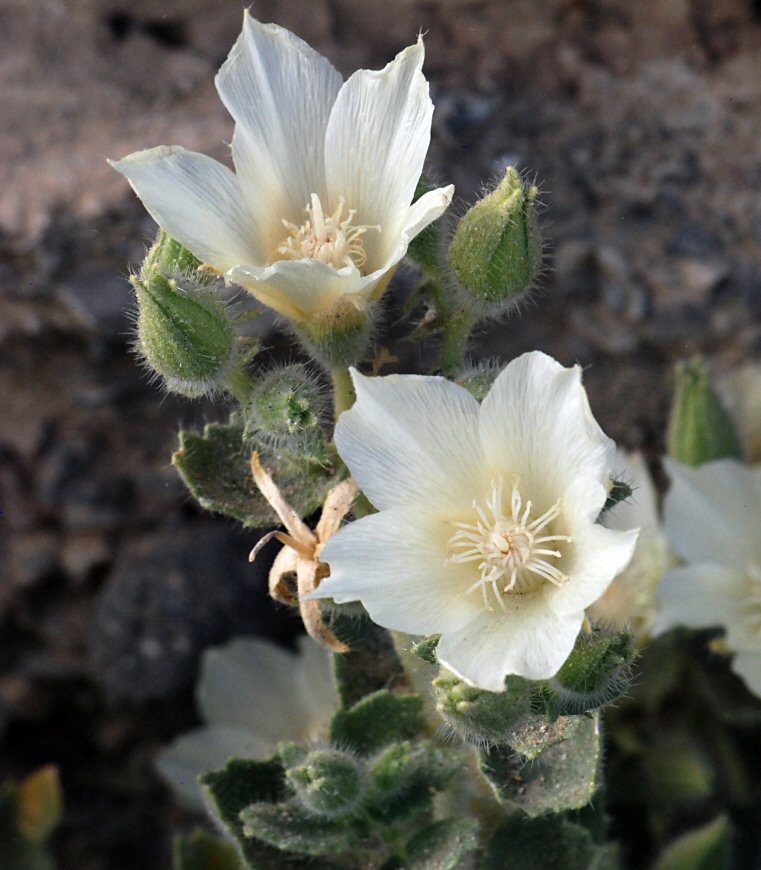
[509,548]
[330,239]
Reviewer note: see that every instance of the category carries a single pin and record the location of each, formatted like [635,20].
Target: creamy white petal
[599,554]
[713,513]
[747,665]
[376,141]
[280,93]
[196,200]
[531,642]
[413,440]
[252,684]
[202,750]
[394,562]
[741,391]
[302,288]
[315,685]
[699,596]
[536,423]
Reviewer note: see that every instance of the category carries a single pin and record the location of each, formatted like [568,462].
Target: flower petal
[699,596]
[747,665]
[375,144]
[300,289]
[251,684]
[530,641]
[204,749]
[316,688]
[196,200]
[713,512]
[280,93]
[413,440]
[394,562]
[536,423]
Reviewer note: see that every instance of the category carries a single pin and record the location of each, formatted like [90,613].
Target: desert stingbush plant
[468,526]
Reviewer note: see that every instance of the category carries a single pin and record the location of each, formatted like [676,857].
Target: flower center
[510,548]
[331,239]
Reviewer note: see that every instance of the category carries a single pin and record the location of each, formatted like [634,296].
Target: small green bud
[425,248]
[328,783]
[496,251]
[184,331]
[479,378]
[597,671]
[479,716]
[286,410]
[699,429]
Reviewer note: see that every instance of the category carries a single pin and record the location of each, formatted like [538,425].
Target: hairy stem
[454,339]
[343,391]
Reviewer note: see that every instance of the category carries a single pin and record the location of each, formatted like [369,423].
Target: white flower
[741,391]
[318,208]
[630,600]
[486,529]
[713,522]
[251,694]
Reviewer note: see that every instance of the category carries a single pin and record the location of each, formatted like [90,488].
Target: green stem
[454,339]
[239,385]
[343,391]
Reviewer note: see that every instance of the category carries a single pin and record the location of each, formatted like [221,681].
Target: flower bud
[479,378]
[496,251]
[477,715]
[328,782]
[286,410]
[184,331]
[699,429]
[597,671]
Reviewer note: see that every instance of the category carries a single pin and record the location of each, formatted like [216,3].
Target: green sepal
[216,468]
[478,380]
[700,429]
[597,671]
[563,777]
[202,851]
[707,848]
[371,663]
[426,649]
[376,721]
[288,826]
[619,491]
[168,255]
[443,845]
[548,843]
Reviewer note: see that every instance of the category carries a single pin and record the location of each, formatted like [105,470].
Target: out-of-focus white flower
[486,529]
[319,207]
[713,522]
[630,600]
[251,695]
[741,392]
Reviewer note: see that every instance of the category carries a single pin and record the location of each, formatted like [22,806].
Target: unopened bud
[184,331]
[597,671]
[286,409]
[700,429]
[479,716]
[496,251]
[328,782]
[478,379]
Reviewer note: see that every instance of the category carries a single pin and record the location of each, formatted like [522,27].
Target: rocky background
[642,122]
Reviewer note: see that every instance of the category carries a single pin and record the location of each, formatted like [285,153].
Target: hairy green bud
[496,251]
[185,333]
[597,671]
[328,782]
[339,337]
[699,429]
[478,379]
[286,410]
[479,716]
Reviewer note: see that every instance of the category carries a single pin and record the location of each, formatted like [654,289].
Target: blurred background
[642,124]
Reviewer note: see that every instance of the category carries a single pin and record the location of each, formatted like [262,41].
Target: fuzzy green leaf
[377,720]
[216,467]
[289,827]
[443,845]
[707,848]
[563,777]
[371,663]
[549,843]
[202,851]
